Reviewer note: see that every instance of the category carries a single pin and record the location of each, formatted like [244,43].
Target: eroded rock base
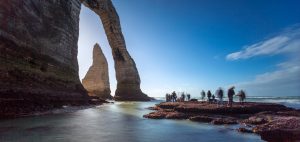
[273,122]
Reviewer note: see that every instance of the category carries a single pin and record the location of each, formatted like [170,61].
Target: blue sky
[204,44]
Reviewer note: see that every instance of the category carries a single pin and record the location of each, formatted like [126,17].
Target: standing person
[208,95]
[167,97]
[202,95]
[230,95]
[174,96]
[183,96]
[220,94]
[188,97]
[241,96]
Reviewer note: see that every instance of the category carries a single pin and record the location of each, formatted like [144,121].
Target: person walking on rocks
[209,96]
[230,95]
[220,94]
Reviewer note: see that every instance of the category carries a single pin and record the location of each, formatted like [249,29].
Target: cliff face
[38,54]
[96,80]
[128,79]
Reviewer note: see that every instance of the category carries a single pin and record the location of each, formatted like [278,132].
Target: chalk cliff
[38,54]
[96,80]
[128,79]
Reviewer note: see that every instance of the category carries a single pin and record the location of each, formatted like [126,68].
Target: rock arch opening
[127,76]
[91,32]
[38,53]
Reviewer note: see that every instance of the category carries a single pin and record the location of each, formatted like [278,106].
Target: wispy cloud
[285,79]
[286,42]
[287,72]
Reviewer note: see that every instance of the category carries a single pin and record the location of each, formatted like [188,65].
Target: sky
[189,46]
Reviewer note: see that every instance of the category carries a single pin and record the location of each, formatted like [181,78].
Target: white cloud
[285,42]
[288,72]
[285,79]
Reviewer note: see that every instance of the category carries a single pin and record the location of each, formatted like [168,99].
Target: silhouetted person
[202,95]
[167,97]
[242,96]
[174,96]
[188,97]
[230,95]
[220,94]
[213,98]
[183,97]
[209,95]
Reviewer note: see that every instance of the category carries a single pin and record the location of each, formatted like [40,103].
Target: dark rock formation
[224,120]
[202,118]
[128,79]
[38,55]
[274,122]
[279,128]
[96,80]
[244,130]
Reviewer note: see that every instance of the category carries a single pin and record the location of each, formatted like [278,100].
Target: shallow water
[113,123]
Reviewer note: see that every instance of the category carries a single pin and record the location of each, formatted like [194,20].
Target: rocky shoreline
[273,122]
[15,108]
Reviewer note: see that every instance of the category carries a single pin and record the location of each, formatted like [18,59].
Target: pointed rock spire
[128,79]
[96,80]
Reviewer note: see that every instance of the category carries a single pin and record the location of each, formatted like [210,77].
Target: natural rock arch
[128,79]
[38,53]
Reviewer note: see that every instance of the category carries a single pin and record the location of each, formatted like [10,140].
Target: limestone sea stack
[128,79]
[96,80]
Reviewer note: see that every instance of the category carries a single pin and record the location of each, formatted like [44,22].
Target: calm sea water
[122,122]
[119,122]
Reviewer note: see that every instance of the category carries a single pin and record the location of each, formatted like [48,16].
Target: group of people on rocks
[211,98]
[220,95]
[173,97]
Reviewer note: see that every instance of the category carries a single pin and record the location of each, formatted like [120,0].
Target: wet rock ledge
[15,108]
[273,122]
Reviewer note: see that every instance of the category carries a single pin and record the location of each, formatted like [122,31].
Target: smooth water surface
[119,122]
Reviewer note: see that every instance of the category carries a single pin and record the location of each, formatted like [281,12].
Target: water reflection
[113,122]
